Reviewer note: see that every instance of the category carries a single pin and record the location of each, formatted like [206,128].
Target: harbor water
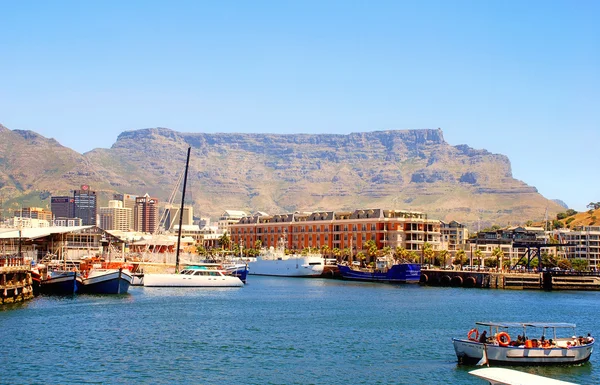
[273,331]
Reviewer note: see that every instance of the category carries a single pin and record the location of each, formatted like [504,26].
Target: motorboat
[194,276]
[107,281]
[499,347]
[503,376]
[239,270]
[275,262]
[383,271]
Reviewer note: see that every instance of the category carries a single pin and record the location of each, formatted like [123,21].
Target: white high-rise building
[115,216]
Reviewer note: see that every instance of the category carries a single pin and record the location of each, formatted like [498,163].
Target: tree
[371,248]
[442,257]
[337,253]
[564,264]
[571,212]
[428,252]
[460,258]
[529,223]
[258,244]
[499,255]
[478,255]
[325,250]
[579,264]
[225,241]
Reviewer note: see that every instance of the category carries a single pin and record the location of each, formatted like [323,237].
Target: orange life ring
[470,335]
[503,339]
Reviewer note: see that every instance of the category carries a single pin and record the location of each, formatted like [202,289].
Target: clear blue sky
[520,78]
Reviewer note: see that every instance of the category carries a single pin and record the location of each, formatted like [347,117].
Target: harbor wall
[514,281]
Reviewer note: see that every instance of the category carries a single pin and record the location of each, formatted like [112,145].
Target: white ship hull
[472,351]
[297,266]
[181,280]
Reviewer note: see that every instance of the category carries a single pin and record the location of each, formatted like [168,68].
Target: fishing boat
[275,262]
[55,281]
[107,281]
[203,275]
[384,271]
[500,348]
[235,269]
[503,376]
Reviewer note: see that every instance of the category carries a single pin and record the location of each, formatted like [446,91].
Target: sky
[519,78]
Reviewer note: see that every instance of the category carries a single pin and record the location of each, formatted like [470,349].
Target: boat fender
[470,335]
[503,339]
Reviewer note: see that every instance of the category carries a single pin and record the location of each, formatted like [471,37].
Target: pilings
[15,280]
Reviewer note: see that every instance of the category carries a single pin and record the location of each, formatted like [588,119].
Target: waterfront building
[339,229]
[172,216]
[24,222]
[115,216]
[487,241]
[128,203]
[67,222]
[228,218]
[85,205]
[454,236]
[62,206]
[34,213]
[585,241]
[146,214]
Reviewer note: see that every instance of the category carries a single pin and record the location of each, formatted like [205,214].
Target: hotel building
[115,216]
[146,214]
[339,229]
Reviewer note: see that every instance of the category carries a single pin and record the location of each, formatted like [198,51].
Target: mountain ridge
[402,169]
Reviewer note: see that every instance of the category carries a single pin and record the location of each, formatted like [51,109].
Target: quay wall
[514,281]
[15,280]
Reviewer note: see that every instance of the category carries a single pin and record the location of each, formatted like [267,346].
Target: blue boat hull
[400,273]
[66,283]
[114,282]
[241,273]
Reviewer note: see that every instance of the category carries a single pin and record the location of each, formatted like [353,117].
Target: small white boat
[499,348]
[194,276]
[277,263]
[503,376]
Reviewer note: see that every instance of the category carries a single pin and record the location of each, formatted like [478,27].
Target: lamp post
[20,228]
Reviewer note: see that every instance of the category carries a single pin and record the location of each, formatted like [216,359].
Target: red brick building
[341,229]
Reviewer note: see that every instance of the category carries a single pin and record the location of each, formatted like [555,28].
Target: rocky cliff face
[411,169]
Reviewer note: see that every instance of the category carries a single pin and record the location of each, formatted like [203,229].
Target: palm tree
[337,253]
[461,257]
[224,241]
[499,255]
[428,252]
[325,250]
[478,255]
[371,247]
[443,255]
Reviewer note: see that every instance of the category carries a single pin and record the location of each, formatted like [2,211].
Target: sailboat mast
[187,162]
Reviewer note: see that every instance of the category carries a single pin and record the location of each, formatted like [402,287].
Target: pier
[515,281]
[15,280]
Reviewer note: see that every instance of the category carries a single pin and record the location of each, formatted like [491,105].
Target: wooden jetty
[15,280]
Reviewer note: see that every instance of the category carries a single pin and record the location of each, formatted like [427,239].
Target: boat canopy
[555,325]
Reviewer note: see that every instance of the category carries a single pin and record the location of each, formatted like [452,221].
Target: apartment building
[34,213]
[585,241]
[454,236]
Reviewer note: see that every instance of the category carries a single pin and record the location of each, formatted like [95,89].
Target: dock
[509,280]
[15,280]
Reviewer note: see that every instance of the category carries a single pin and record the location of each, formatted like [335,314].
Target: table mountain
[403,169]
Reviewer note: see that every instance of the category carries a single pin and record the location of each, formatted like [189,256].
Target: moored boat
[107,281]
[239,270]
[194,276]
[60,283]
[277,263]
[499,348]
[397,273]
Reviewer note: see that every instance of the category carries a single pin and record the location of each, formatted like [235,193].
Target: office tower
[146,214]
[172,216]
[115,216]
[62,206]
[85,202]
[128,203]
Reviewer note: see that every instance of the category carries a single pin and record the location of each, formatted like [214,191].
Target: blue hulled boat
[398,273]
[239,270]
[61,283]
[107,281]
